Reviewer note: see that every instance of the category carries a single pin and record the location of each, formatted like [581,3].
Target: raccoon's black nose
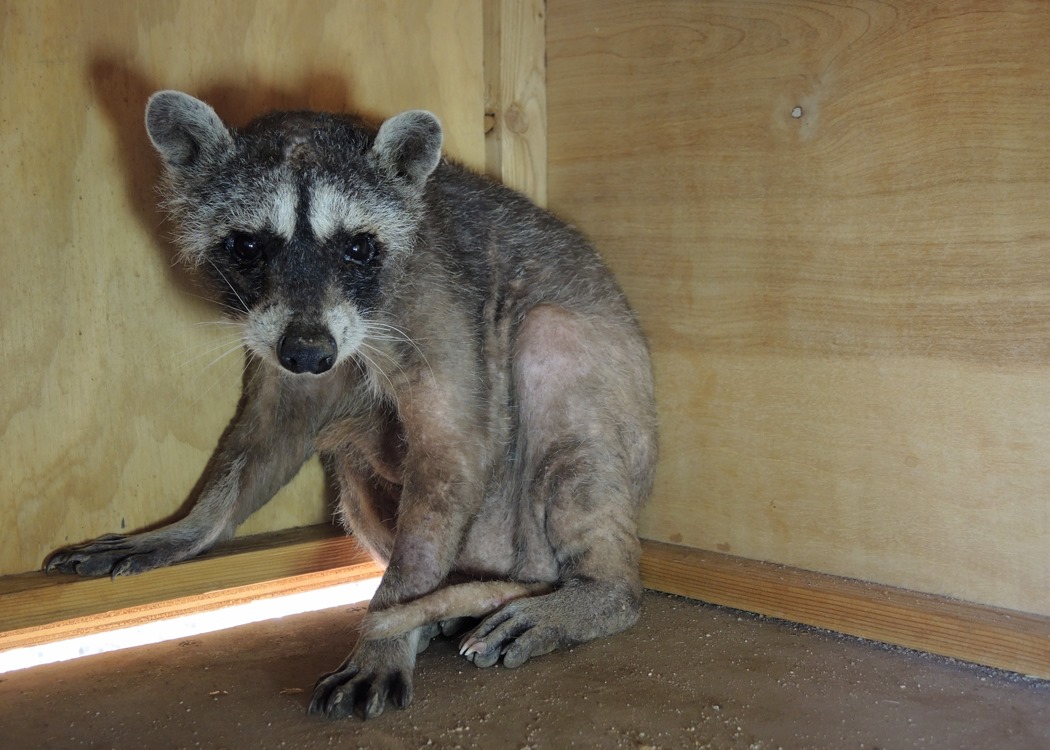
[307,351]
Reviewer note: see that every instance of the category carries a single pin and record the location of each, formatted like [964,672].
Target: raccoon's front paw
[374,672]
[116,555]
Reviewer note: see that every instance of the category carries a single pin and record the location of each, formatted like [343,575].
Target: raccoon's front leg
[429,532]
[441,494]
[126,554]
[247,469]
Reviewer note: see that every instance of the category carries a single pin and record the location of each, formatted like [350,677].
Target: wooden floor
[688,675]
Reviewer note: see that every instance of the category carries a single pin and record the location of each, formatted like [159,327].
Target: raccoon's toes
[377,672]
[112,555]
[445,628]
[94,558]
[516,633]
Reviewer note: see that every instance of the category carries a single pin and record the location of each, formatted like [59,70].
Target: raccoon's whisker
[221,323]
[198,396]
[225,354]
[377,350]
[233,311]
[236,343]
[250,359]
[244,306]
[375,337]
[221,376]
[229,337]
[373,362]
[185,351]
[401,336]
[375,368]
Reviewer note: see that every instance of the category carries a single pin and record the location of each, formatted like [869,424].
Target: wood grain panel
[118,380]
[832,218]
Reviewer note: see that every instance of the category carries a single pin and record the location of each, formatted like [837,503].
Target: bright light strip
[185,626]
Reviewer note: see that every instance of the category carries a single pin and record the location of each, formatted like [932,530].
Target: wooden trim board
[1005,639]
[36,609]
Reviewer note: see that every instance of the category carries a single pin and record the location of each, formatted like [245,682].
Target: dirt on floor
[688,675]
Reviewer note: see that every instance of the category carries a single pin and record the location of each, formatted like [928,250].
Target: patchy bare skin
[461,360]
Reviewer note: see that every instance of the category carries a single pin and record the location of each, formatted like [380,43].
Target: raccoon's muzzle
[302,349]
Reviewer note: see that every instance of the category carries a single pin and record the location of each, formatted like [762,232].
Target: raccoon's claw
[364,683]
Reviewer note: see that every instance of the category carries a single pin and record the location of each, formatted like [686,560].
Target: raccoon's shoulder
[455,180]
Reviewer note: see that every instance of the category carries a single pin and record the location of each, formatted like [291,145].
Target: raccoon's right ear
[183,128]
[408,145]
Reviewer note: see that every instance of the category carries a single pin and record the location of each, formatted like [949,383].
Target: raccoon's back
[498,231]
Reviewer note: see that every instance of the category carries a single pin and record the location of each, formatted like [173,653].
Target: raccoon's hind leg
[584,391]
[600,594]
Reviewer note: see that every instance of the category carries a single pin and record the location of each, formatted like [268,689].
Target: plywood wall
[115,385]
[834,219]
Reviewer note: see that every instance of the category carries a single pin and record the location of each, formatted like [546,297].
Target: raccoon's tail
[473,599]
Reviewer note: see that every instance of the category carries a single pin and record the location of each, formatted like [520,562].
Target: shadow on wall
[122,94]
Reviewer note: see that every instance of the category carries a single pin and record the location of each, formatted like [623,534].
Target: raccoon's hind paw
[113,555]
[575,613]
[516,633]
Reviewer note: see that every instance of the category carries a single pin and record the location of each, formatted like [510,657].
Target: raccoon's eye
[244,246]
[359,249]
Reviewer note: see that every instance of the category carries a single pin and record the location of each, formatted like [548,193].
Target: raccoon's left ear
[408,146]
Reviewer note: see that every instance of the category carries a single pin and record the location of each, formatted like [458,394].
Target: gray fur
[461,360]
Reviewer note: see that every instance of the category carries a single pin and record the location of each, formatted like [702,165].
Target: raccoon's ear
[408,145]
[183,128]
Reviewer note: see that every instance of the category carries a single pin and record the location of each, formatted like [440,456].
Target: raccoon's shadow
[122,94]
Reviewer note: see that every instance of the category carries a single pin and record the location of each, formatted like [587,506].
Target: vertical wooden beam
[515,95]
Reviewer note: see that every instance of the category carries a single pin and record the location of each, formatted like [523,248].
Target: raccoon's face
[299,220]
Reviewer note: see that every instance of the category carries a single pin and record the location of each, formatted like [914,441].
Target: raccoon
[463,362]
